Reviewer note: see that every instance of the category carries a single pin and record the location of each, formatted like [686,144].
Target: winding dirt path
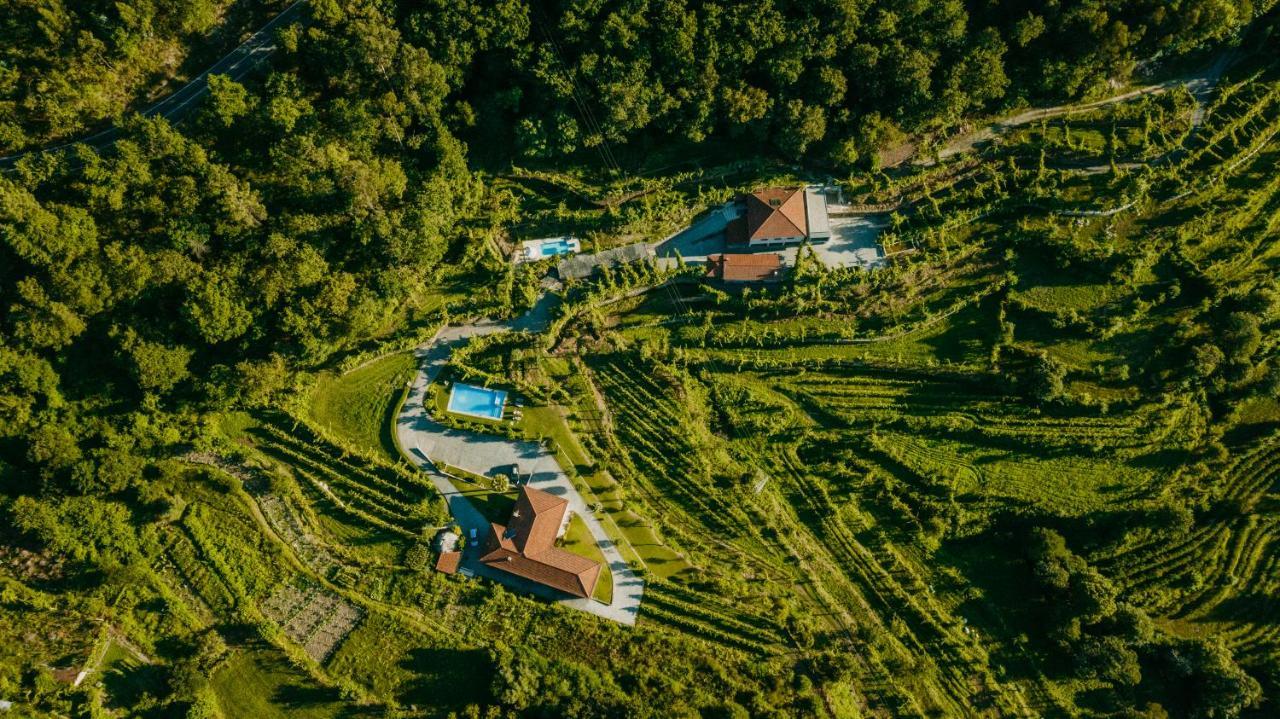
[1201,87]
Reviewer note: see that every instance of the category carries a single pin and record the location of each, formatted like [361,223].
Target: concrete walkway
[421,438]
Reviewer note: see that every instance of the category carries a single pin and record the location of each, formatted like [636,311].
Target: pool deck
[421,437]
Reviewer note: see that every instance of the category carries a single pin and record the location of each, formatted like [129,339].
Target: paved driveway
[704,237]
[422,437]
[854,242]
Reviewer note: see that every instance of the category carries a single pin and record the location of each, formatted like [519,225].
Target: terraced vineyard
[867,592]
[368,493]
[1005,445]
[884,485]
[1227,566]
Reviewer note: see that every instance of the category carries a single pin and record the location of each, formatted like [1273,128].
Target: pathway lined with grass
[425,441]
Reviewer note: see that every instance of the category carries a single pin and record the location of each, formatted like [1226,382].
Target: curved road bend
[421,437]
[235,64]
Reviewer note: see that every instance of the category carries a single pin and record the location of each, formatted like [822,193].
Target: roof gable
[776,212]
[536,520]
[526,546]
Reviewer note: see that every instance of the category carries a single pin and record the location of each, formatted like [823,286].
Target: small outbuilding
[762,267]
[449,562]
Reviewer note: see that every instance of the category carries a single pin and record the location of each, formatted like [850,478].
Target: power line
[579,95]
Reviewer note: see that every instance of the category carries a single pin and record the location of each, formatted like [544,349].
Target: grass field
[358,404]
[259,682]
[578,539]
[397,661]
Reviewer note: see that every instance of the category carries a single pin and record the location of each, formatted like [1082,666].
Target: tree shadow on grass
[1003,609]
[300,696]
[447,679]
[968,337]
[127,684]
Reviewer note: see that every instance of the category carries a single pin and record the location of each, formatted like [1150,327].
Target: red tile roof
[449,562]
[760,267]
[526,546]
[776,213]
[536,520]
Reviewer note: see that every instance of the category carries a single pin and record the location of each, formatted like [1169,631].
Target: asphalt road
[235,64]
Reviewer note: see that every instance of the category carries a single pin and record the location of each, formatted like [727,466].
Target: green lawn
[578,539]
[357,406]
[261,683]
[416,669]
[125,677]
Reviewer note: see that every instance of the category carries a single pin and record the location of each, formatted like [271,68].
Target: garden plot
[283,518]
[315,618]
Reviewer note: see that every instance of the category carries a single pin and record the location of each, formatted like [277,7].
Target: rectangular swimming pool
[557,247]
[477,401]
[561,246]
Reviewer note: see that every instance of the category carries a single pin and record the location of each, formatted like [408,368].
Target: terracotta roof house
[526,546]
[763,267]
[780,215]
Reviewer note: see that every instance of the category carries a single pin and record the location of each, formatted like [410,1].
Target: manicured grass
[260,683]
[578,539]
[357,406]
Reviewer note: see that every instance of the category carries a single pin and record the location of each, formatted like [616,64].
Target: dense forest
[833,80]
[356,192]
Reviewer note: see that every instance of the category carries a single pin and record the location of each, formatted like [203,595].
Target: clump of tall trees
[1100,637]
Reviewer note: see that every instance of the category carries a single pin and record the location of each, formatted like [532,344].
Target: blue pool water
[556,247]
[477,401]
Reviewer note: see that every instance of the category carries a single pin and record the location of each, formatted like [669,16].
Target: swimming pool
[541,249]
[557,247]
[477,401]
